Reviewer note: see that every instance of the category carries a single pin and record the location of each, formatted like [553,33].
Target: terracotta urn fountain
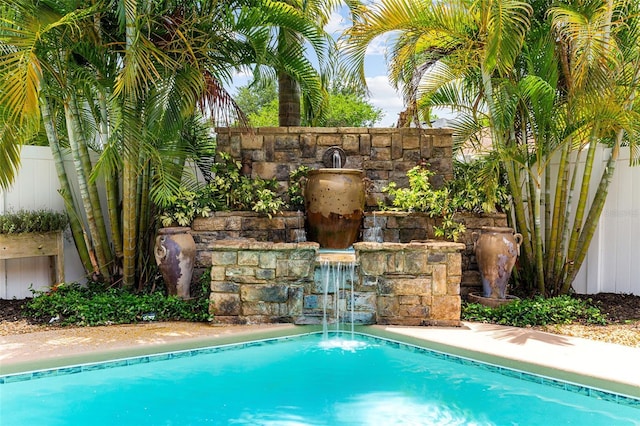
[496,249]
[334,202]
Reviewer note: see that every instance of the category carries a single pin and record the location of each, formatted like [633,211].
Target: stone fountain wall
[385,154]
[396,227]
[404,284]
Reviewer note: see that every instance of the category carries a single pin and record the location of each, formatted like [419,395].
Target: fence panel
[36,187]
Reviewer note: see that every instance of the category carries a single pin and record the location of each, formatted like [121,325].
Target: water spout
[336,160]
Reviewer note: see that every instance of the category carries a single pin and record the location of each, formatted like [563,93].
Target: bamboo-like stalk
[83,165]
[559,208]
[65,187]
[591,222]
[578,222]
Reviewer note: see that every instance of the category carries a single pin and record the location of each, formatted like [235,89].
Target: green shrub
[536,311]
[32,221]
[228,190]
[73,304]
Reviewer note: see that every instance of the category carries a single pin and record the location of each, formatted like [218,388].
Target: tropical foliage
[344,108]
[460,194]
[550,81]
[140,85]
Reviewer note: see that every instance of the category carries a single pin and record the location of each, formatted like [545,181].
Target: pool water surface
[302,380]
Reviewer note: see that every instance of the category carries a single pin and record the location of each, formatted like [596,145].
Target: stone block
[453,286]
[329,140]
[412,286]
[365,145]
[313,301]
[454,264]
[219,258]
[378,165]
[363,301]
[395,262]
[442,141]
[387,306]
[410,142]
[248,258]
[437,257]
[380,141]
[364,318]
[300,268]
[445,308]
[218,273]
[307,146]
[373,263]
[415,311]
[406,235]
[266,170]
[409,300]
[267,259]
[380,154]
[439,280]
[265,274]
[351,144]
[264,293]
[426,147]
[286,142]
[256,308]
[295,302]
[251,141]
[396,147]
[225,304]
[415,262]
[269,149]
[224,287]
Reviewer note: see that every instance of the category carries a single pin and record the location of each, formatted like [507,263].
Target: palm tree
[553,83]
[299,83]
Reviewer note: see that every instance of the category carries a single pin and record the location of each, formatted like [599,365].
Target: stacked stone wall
[256,282]
[394,283]
[404,227]
[385,154]
[417,283]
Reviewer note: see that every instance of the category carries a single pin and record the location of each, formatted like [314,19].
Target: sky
[382,94]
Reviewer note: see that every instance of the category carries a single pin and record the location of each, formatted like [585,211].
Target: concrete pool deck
[601,365]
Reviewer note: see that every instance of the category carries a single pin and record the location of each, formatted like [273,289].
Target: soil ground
[622,310]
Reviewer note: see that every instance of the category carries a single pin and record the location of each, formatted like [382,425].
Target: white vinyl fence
[612,265]
[36,187]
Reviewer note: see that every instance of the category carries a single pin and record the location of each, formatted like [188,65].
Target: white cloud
[384,96]
[337,24]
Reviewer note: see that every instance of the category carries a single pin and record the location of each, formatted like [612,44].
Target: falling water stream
[338,279]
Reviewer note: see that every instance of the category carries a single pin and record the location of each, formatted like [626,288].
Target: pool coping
[553,356]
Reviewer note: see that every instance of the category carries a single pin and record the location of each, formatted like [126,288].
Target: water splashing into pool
[338,281]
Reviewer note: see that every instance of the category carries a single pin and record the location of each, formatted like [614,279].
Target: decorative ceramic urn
[175,253]
[334,203]
[496,251]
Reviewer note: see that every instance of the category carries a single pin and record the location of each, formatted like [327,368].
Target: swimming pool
[304,380]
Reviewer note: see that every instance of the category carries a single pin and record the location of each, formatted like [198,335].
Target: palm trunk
[288,88]
[288,101]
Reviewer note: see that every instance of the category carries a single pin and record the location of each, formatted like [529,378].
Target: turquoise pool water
[303,381]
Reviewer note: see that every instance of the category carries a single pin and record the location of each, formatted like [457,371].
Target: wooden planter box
[16,246]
